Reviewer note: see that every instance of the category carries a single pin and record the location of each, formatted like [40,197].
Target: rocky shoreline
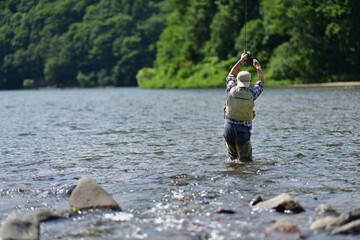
[89,195]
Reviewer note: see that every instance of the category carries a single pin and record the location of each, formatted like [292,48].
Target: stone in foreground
[20,227]
[346,223]
[283,203]
[88,195]
[349,228]
[283,230]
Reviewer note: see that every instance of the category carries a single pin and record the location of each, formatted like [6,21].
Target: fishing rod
[250,57]
[245,16]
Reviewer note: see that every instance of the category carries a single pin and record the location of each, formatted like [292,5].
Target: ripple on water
[167,171]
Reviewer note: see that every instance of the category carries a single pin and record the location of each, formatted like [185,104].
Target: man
[239,110]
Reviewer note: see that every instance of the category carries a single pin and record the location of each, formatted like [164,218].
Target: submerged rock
[349,228]
[89,194]
[283,203]
[256,200]
[21,226]
[26,225]
[283,229]
[346,217]
[326,210]
[226,211]
[328,217]
[175,236]
[44,215]
[323,223]
[345,223]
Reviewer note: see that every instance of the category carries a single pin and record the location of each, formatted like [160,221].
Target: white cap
[243,79]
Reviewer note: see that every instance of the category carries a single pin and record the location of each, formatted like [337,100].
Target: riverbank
[218,83]
[329,84]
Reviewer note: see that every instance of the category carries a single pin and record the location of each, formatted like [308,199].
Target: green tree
[317,33]
[60,42]
[179,43]
[199,31]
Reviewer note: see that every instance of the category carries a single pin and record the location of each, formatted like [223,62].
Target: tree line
[77,43]
[174,43]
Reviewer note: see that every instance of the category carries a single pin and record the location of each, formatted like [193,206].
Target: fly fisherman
[239,110]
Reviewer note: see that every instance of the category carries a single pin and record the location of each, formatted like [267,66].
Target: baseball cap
[243,79]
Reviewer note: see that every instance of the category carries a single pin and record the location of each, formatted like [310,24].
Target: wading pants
[238,142]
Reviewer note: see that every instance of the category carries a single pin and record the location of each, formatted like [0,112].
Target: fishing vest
[240,104]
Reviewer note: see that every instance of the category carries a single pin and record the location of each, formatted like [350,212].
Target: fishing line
[214,45]
[218,31]
[245,15]
[250,57]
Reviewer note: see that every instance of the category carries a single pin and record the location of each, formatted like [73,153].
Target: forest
[174,43]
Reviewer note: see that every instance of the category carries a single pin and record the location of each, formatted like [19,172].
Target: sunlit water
[160,153]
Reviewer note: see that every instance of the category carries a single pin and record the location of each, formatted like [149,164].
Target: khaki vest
[240,104]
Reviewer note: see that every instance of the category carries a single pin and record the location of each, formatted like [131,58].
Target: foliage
[85,43]
[320,40]
[303,40]
[174,43]
[28,83]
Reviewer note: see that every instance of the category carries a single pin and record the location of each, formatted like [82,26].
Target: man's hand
[259,71]
[256,64]
[243,57]
[235,68]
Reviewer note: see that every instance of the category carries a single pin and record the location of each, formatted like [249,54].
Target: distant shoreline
[300,85]
[330,84]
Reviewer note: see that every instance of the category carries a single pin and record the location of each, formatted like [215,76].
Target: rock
[283,203]
[44,215]
[256,200]
[21,227]
[89,194]
[323,223]
[349,228]
[345,218]
[283,230]
[329,217]
[26,225]
[226,211]
[175,236]
[70,190]
[326,209]
[347,222]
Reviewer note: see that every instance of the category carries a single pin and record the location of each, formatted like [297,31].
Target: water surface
[160,153]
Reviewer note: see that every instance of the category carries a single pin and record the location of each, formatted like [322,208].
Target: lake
[160,153]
